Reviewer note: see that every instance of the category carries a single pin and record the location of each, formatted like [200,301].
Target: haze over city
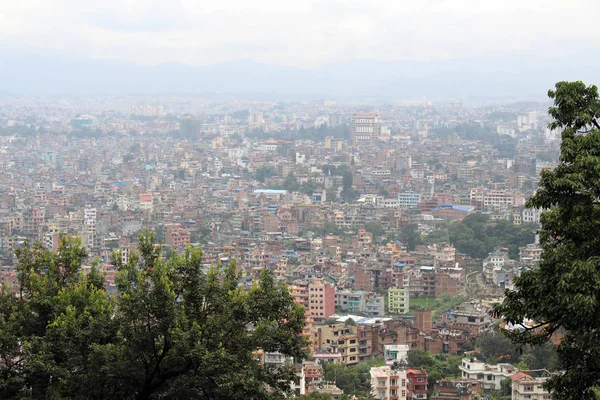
[299,200]
[311,48]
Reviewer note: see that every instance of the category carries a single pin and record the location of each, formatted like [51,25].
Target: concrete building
[395,353]
[364,127]
[525,387]
[408,199]
[338,338]
[490,376]
[388,384]
[417,383]
[398,300]
[321,300]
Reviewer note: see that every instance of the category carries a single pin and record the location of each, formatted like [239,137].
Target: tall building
[388,384]
[256,118]
[398,300]
[322,299]
[364,127]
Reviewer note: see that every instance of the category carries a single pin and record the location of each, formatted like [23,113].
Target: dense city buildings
[375,220]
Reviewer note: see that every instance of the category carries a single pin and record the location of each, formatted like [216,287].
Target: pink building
[321,299]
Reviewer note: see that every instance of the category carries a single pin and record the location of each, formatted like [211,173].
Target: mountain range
[516,77]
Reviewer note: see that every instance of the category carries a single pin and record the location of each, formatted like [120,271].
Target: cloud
[304,33]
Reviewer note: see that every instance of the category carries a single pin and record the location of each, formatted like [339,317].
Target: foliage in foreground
[171,332]
[562,294]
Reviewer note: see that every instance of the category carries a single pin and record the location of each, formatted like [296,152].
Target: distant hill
[359,80]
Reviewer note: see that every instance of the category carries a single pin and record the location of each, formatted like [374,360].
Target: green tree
[291,183]
[347,180]
[264,172]
[172,332]
[411,236]
[375,228]
[346,378]
[562,293]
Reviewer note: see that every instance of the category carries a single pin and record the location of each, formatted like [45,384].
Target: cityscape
[299,200]
[396,227]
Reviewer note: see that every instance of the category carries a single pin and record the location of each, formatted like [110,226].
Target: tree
[562,293]
[264,172]
[347,180]
[411,236]
[171,332]
[375,228]
[346,378]
[495,346]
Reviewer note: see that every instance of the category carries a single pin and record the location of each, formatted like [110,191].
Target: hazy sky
[304,33]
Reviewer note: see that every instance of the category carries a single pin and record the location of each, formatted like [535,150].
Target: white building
[364,127]
[490,376]
[531,215]
[525,387]
[395,353]
[388,384]
[408,199]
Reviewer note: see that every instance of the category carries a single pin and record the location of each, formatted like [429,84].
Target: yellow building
[398,300]
[340,338]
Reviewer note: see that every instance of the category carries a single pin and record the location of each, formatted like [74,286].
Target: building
[388,384]
[321,300]
[490,376]
[364,127]
[395,353]
[525,387]
[338,338]
[375,306]
[471,317]
[417,383]
[460,389]
[176,236]
[398,300]
[531,216]
[408,199]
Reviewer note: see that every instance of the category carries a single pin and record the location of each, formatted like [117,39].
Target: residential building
[525,387]
[398,300]
[321,297]
[417,383]
[490,376]
[388,383]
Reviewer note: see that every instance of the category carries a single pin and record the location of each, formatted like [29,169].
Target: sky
[298,33]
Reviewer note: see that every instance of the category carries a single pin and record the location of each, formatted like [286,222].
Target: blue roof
[270,191]
[454,207]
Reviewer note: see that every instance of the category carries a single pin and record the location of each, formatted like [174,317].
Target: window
[380,383]
[490,377]
[403,382]
[404,393]
[528,388]
[381,394]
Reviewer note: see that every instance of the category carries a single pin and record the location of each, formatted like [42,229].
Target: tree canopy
[562,295]
[170,332]
[476,236]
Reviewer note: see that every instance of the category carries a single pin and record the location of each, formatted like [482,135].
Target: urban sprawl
[397,227]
